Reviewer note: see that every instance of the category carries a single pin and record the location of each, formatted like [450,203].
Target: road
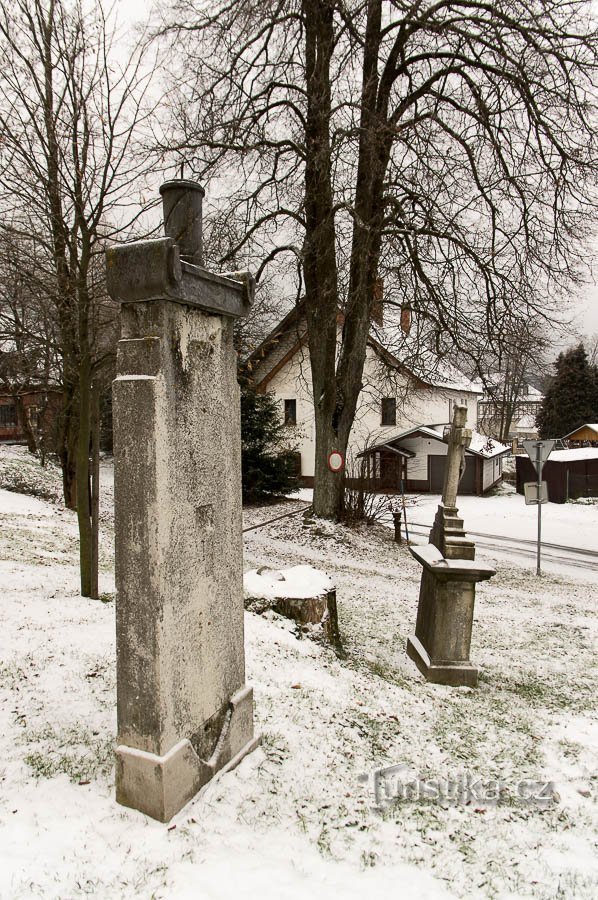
[501,545]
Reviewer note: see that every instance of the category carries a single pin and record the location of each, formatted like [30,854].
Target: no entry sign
[336,461]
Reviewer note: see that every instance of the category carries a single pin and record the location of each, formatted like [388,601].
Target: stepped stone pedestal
[184,710]
[441,645]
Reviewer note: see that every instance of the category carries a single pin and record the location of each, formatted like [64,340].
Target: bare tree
[69,166]
[446,145]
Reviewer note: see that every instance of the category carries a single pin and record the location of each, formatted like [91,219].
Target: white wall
[491,472]
[424,406]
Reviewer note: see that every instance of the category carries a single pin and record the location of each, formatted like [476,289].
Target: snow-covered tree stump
[301,593]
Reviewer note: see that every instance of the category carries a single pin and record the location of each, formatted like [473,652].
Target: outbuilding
[584,435]
[417,458]
[569,474]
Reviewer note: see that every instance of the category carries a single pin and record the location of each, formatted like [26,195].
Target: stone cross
[441,643]
[184,710]
[459,438]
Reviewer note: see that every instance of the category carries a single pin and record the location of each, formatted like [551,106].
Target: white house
[394,398]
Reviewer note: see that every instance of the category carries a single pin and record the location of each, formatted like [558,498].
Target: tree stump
[301,593]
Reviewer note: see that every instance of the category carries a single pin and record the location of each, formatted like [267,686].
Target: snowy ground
[297,819]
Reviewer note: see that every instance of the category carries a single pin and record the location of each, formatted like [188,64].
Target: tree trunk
[25,424]
[67,449]
[329,487]
[82,478]
[337,386]
[319,267]
[95,488]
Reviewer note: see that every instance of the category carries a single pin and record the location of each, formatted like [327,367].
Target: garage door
[437,466]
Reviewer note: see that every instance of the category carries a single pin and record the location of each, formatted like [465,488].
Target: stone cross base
[449,536]
[160,786]
[441,644]
[462,674]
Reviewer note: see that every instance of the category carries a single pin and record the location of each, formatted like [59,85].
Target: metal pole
[539,470]
[404,510]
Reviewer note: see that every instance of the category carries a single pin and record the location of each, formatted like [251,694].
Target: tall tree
[572,398]
[519,360]
[448,146]
[68,169]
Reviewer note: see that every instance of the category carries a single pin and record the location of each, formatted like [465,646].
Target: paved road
[558,554]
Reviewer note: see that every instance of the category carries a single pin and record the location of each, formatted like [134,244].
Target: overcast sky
[584,303]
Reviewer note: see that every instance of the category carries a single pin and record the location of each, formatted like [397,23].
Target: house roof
[480,445]
[496,380]
[592,428]
[573,454]
[526,423]
[426,367]
[387,445]
[429,369]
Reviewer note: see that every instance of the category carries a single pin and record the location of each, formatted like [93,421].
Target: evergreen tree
[572,398]
[268,468]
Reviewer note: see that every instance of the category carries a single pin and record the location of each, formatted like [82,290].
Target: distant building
[584,436]
[40,407]
[394,398]
[418,458]
[512,415]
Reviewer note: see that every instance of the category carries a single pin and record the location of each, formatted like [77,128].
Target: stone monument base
[160,786]
[454,674]
[441,644]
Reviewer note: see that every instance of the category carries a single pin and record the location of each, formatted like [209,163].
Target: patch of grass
[25,475]
[275,748]
[384,670]
[378,733]
[76,752]
[551,694]
[12,674]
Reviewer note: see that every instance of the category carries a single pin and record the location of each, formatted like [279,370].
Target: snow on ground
[297,817]
[505,513]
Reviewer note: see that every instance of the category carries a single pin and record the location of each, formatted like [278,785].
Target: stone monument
[441,644]
[184,710]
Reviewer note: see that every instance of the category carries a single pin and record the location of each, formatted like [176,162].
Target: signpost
[538,452]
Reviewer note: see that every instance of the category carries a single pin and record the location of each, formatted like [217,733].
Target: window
[389,411]
[290,412]
[8,414]
[32,415]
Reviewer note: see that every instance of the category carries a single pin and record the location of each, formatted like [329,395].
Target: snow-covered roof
[394,347]
[526,423]
[574,453]
[487,447]
[423,363]
[481,445]
[528,393]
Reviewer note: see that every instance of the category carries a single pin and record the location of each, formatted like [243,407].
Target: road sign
[336,461]
[538,452]
[531,492]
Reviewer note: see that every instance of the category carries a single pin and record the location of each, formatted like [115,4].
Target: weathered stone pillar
[184,711]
